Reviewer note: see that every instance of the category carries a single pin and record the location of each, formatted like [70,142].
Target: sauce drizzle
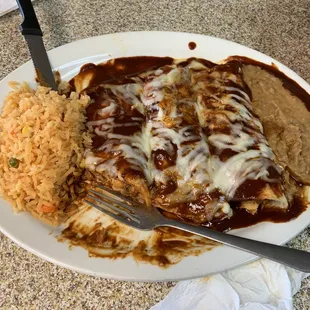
[192,45]
[130,66]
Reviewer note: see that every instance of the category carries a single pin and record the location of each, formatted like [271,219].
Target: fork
[142,217]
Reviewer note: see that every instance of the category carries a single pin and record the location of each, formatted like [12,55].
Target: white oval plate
[37,238]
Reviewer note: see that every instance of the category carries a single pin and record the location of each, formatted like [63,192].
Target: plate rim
[52,53]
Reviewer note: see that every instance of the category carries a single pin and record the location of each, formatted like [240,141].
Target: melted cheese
[132,148]
[196,170]
[228,176]
[191,159]
[239,143]
[253,156]
[109,110]
[191,164]
[130,93]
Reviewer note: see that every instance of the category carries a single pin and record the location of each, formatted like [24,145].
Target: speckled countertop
[277,28]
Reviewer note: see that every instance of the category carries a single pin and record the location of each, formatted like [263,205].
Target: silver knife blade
[40,60]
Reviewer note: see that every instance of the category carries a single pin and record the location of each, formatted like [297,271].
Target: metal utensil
[142,217]
[31,30]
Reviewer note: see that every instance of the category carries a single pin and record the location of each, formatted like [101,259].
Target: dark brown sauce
[205,62]
[168,245]
[242,218]
[130,66]
[249,190]
[192,45]
[117,68]
[226,154]
[163,160]
[166,188]
[194,210]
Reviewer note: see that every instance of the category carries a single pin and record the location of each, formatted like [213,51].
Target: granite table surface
[280,29]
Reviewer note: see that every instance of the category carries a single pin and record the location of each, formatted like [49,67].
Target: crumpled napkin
[260,285]
[7,6]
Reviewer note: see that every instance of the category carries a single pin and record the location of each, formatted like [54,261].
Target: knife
[31,30]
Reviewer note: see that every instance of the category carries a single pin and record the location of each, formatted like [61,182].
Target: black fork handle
[30,24]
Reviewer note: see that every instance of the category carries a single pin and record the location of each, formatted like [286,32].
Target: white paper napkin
[261,285]
[7,6]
